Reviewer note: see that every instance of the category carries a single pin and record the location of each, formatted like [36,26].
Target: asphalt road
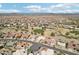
[42,45]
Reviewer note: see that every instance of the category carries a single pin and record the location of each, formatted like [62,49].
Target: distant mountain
[11,14]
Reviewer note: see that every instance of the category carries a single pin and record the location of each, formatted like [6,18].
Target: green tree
[38,31]
[52,34]
[67,33]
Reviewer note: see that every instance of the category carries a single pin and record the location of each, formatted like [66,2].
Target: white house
[40,38]
[62,44]
[46,51]
[20,52]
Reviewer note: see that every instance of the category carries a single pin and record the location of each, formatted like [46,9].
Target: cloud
[71,11]
[53,8]
[9,11]
[34,8]
[71,4]
[64,8]
[60,6]
[37,8]
[57,5]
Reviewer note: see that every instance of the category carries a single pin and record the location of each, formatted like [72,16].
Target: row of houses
[13,35]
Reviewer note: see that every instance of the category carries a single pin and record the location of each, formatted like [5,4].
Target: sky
[39,8]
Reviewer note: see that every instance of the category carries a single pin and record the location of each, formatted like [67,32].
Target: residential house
[46,51]
[23,45]
[73,44]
